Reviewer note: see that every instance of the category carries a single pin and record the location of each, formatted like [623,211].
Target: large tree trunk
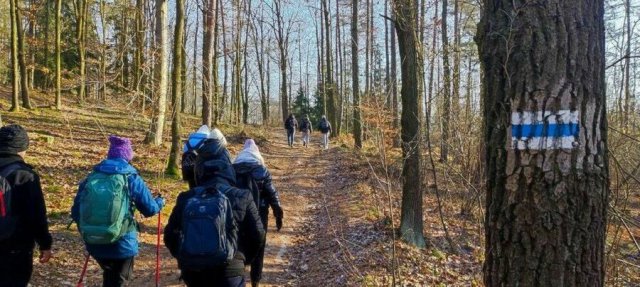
[207,57]
[547,192]
[154,136]
[329,84]
[15,69]
[24,70]
[176,90]
[411,224]
[629,98]
[58,68]
[139,53]
[355,76]
[282,38]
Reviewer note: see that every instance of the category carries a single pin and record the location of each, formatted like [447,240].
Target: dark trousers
[209,278]
[258,262]
[291,136]
[115,271]
[15,268]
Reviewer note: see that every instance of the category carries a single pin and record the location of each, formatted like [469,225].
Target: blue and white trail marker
[545,130]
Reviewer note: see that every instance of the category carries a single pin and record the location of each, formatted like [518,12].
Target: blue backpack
[209,232]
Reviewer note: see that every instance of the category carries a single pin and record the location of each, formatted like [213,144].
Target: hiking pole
[84,271]
[158,251]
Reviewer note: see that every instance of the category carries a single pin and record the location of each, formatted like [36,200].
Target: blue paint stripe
[545,130]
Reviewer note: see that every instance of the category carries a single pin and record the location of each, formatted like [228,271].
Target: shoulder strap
[8,170]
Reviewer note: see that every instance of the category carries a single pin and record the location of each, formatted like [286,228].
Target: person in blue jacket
[116,260]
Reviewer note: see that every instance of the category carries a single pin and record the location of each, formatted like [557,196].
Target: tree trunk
[329,84]
[456,59]
[15,69]
[154,136]
[176,90]
[446,91]
[547,192]
[282,39]
[24,71]
[355,76]
[395,109]
[207,57]
[139,53]
[81,19]
[58,68]
[411,222]
[214,73]
[629,99]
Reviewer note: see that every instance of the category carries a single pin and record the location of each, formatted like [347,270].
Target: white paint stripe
[561,117]
[539,143]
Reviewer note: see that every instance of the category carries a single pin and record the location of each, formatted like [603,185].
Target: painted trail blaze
[545,130]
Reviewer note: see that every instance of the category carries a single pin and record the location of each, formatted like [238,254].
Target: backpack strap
[8,170]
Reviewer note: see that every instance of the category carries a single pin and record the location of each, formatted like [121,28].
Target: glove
[278,214]
[160,201]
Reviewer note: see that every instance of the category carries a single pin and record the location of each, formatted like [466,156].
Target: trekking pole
[84,271]
[158,251]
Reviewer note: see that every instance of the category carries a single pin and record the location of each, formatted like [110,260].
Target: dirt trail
[299,174]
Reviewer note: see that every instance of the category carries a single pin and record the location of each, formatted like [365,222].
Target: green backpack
[105,208]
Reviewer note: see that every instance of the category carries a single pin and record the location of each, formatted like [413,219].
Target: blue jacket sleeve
[142,197]
[75,209]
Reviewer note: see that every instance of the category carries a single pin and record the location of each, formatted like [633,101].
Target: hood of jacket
[115,166]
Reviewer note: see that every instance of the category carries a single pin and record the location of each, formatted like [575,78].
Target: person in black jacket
[214,170]
[249,165]
[306,128]
[291,124]
[27,208]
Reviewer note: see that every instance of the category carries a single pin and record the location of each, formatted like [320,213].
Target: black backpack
[324,126]
[189,160]
[244,180]
[8,222]
[209,231]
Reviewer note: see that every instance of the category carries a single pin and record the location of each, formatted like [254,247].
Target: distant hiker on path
[190,151]
[214,229]
[106,219]
[325,128]
[252,174]
[306,128]
[291,125]
[23,214]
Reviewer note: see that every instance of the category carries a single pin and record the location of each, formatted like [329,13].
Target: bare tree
[547,192]
[154,136]
[15,69]
[355,76]
[176,89]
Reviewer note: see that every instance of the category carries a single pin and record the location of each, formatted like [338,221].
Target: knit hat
[13,139]
[216,134]
[120,148]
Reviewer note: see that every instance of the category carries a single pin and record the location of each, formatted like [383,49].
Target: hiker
[106,219]
[325,128]
[23,214]
[190,151]
[214,229]
[252,174]
[291,125]
[306,129]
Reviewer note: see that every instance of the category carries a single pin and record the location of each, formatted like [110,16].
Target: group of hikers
[306,128]
[215,229]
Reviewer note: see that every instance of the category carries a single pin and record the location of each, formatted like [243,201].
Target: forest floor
[337,228]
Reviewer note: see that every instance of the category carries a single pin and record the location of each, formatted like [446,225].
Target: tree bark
[329,84]
[139,53]
[24,71]
[154,136]
[15,69]
[81,34]
[547,193]
[411,222]
[446,91]
[58,68]
[207,57]
[355,76]
[282,39]
[176,90]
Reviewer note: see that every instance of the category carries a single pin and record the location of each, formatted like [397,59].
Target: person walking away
[106,219]
[214,229]
[190,151]
[23,214]
[306,129]
[291,124]
[325,129]
[252,174]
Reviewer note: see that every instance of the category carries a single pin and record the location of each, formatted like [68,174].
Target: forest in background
[252,62]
